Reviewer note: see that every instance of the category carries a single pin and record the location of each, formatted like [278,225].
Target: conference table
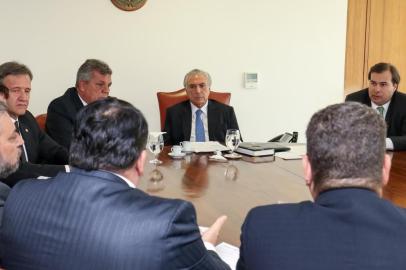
[232,188]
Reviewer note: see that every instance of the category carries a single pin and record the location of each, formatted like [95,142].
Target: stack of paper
[212,146]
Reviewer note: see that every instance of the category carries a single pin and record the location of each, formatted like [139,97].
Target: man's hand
[213,232]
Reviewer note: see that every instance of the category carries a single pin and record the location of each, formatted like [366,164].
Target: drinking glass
[233,140]
[155,145]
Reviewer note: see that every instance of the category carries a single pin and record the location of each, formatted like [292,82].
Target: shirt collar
[129,183]
[83,102]
[385,106]
[203,109]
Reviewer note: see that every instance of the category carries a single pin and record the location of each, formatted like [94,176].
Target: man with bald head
[198,119]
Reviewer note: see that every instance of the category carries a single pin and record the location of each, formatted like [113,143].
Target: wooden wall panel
[376,32]
[356,41]
[387,34]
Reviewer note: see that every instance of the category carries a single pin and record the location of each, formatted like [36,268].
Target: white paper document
[200,147]
[288,155]
[229,254]
[297,151]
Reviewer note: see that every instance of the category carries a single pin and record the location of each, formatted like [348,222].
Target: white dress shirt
[204,119]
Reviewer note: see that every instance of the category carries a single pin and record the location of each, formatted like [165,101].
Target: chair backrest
[41,119]
[168,99]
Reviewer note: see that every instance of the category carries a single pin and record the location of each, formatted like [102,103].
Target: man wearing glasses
[382,95]
[198,119]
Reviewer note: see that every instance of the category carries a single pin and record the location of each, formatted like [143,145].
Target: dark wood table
[233,188]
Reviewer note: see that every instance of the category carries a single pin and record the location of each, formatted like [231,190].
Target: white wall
[296,46]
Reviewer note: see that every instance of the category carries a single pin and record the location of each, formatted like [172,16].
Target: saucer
[187,151]
[177,156]
[233,156]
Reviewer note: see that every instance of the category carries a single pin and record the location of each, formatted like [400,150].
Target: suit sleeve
[233,119]
[58,125]
[4,190]
[241,264]
[28,170]
[399,142]
[51,152]
[184,246]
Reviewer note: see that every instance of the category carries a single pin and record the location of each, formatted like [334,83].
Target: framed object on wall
[129,5]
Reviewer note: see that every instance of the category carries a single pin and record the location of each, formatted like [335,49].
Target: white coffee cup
[186,145]
[176,149]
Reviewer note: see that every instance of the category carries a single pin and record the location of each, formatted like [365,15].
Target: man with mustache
[382,95]
[199,118]
[41,156]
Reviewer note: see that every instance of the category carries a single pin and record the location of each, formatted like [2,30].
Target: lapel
[73,92]
[187,120]
[391,109]
[28,137]
[212,119]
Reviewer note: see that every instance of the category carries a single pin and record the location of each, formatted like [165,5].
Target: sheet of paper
[288,155]
[229,254]
[198,147]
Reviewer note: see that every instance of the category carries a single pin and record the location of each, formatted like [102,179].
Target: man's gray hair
[346,147]
[90,65]
[194,72]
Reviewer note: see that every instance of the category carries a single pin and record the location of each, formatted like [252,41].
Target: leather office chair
[168,99]
[41,119]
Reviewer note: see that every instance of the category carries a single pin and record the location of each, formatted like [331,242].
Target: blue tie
[199,129]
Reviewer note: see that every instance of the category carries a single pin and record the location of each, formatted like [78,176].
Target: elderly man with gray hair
[199,118]
[93,81]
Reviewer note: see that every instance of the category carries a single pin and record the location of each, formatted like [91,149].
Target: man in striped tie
[198,119]
[382,95]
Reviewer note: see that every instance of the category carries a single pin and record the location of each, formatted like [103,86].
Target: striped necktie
[380,109]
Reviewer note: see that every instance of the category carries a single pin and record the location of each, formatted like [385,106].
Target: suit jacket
[347,228]
[395,116]
[178,122]
[45,156]
[61,117]
[94,220]
[4,190]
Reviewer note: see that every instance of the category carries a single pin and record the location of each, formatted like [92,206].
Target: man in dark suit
[198,119]
[95,217]
[349,225]
[38,148]
[10,150]
[382,94]
[93,81]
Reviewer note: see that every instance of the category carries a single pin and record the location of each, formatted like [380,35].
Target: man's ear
[308,175]
[387,163]
[139,163]
[307,170]
[80,86]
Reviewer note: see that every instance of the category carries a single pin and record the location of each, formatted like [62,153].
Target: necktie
[199,128]
[380,109]
[23,156]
